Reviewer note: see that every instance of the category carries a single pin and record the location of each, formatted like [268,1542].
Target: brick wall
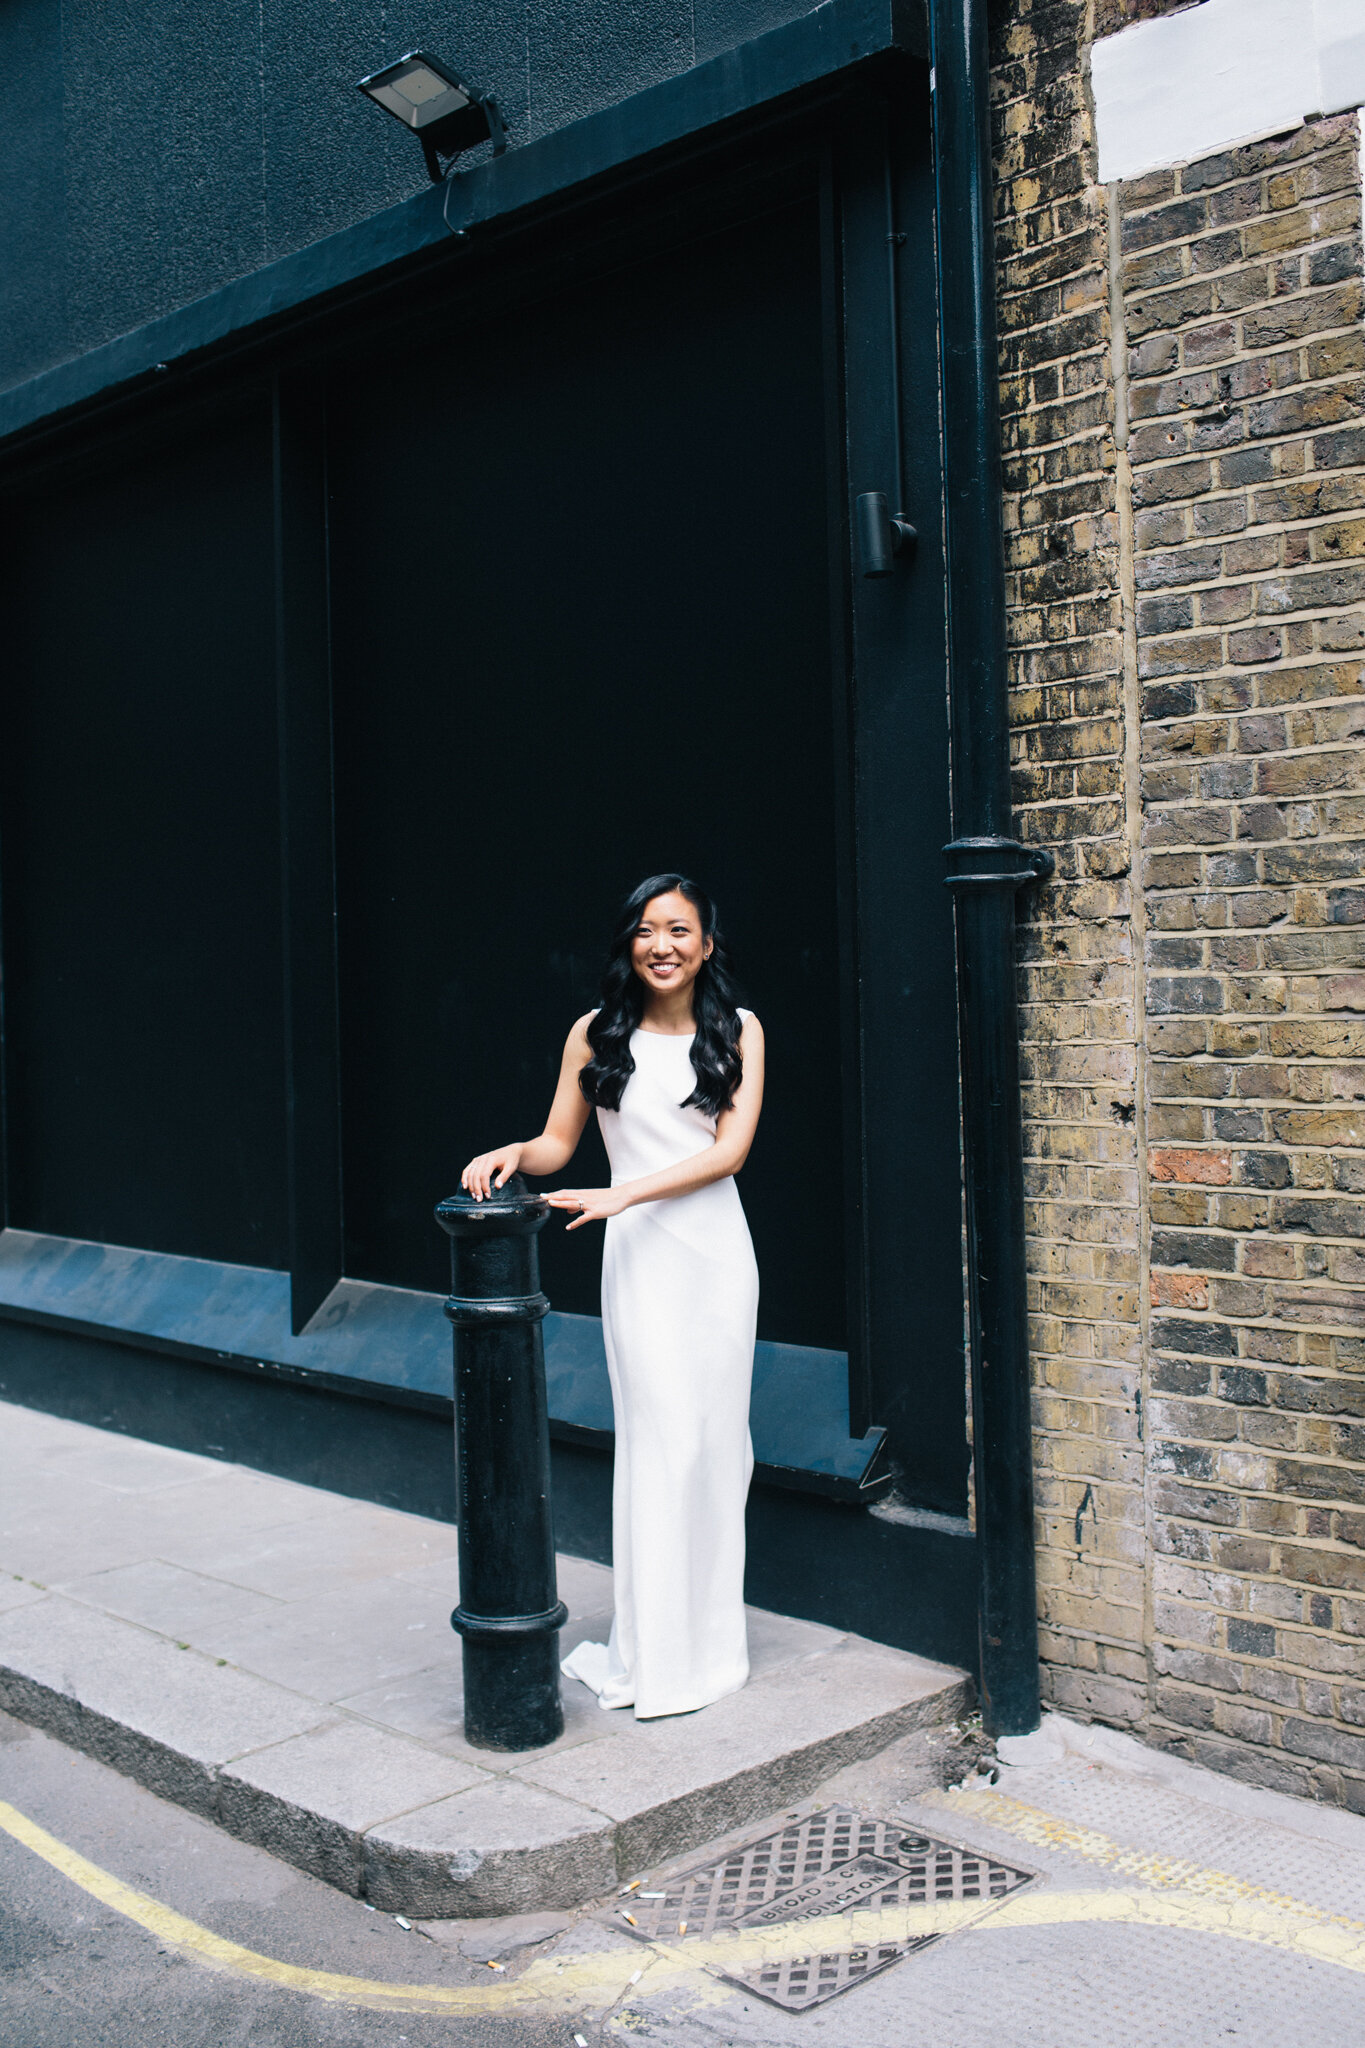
[1241,282]
[1116,14]
[1183,381]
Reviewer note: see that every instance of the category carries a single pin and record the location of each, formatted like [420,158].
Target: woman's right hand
[491,1170]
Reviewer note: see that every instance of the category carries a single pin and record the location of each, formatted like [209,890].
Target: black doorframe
[911,1375]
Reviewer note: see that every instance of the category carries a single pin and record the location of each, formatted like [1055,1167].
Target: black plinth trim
[503,1627]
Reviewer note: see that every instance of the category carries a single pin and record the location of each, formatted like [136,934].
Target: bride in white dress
[675,1071]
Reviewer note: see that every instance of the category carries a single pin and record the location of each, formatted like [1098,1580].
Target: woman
[675,1072]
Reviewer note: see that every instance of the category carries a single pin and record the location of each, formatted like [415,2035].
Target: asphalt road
[1167,1909]
[76,1974]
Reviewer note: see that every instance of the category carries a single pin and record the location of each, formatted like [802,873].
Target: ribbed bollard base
[511,1678]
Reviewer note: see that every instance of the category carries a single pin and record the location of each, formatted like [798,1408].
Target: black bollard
[509,1615]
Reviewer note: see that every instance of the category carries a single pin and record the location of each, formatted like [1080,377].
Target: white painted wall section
[1225,71]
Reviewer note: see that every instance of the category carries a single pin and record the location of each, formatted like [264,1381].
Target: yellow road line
[574,1983]
[607,1974]
[1044,1830]
[1295,1928]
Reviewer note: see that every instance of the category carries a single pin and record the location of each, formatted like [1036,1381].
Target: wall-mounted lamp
[444,112]
[881,534]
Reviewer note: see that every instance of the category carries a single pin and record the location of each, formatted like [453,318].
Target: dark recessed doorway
[581,631]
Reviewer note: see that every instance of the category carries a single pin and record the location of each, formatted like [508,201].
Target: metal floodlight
[444,111]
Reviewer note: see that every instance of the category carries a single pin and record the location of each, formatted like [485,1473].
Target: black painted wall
[151,154]
[141,901]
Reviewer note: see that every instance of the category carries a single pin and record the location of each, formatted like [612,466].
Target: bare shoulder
[750,1030]
[576,1045]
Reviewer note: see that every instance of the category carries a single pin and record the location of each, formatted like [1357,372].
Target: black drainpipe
[987,868]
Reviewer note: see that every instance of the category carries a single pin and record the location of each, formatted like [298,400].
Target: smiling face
[668,948]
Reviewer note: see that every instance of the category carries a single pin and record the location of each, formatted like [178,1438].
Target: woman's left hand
[589,1205]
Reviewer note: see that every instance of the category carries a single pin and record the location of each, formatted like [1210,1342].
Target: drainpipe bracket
[993,862]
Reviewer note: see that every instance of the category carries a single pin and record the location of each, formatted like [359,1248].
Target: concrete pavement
[1080,1887]
[279,1660]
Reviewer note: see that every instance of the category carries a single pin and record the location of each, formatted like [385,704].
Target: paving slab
[232,1502]
[279,1660]
[126,1464]
[310,1558]
[692,1776]
[44,1541]
[357,1637]
[17,1593]
[429,1705]
[189,1605]
[164,1715]
[311,1799]
[502,1847]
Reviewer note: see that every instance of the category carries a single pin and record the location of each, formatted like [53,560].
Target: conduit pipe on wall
[987,868]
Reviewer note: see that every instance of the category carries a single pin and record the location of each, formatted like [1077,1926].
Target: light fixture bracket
[444,111]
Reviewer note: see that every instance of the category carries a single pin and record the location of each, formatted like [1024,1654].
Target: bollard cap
[507,1212]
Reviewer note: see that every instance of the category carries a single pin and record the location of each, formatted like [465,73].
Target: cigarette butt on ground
[631,1917]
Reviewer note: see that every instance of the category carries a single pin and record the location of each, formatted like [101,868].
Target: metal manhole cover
[815,1866]
[798,1982]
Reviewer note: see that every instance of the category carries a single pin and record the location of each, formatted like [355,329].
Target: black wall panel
[140,853]
[581,632]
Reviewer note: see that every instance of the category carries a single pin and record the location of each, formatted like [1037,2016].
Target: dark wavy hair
[716,1060]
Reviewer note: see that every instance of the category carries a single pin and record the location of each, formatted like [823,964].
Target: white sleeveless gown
[679,1310]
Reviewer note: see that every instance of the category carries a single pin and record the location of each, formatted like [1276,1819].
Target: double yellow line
[1167,1894]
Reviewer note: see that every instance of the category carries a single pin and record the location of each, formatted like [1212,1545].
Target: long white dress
[679,1310]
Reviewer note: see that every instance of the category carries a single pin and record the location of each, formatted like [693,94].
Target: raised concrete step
[279,1659]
